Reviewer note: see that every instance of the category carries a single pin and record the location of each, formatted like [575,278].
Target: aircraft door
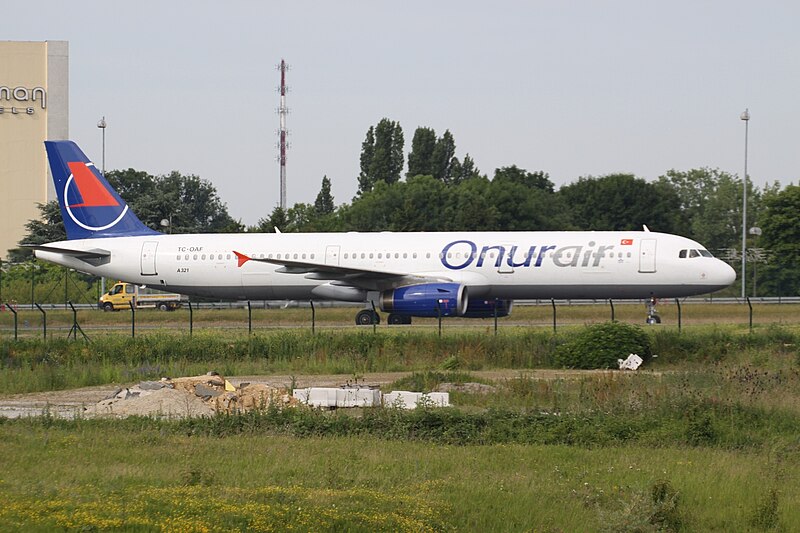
[647,255]
[332,255]
[148,266]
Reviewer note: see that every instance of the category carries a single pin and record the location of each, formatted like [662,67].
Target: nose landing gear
[652,314]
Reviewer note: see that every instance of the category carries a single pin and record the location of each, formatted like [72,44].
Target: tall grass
[70,476]
[33,365]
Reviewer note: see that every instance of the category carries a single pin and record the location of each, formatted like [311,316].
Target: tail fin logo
[86,199]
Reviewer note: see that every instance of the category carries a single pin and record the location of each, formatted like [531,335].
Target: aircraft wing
[357,277]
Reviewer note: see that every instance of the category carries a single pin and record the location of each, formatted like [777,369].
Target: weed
[766,515]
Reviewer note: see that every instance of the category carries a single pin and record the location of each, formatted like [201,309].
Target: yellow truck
[121,294]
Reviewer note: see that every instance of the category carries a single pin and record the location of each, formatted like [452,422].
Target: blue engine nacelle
[426,300]
[477,308]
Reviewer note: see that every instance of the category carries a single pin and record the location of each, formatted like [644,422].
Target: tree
[365,179]
[619,202]
[48,228]
[420,159]
[524,201]
[472,206]
[381,155]
[780,226]
[463,171]
[442,158]
[711,203]
[277,219]
[425,206]
[324,203]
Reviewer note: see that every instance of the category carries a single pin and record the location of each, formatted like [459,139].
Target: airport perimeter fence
[29,328]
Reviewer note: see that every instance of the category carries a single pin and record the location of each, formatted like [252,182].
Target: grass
[703,439]
[70,476]
[31,365]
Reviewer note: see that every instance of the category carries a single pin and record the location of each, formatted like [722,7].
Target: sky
[570,88]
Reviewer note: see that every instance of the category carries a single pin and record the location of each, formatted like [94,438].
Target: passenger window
[396,255]
[379,256]
[179,257]
[345,255]
[195,257]
[428,255]
[370,256]
[405,256]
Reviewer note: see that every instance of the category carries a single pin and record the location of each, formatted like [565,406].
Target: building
[34,107]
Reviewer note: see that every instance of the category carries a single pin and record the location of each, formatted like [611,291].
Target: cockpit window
[706,253]
[694,253]
[682,254]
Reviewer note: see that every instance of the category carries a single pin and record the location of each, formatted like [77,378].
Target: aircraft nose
[724,274]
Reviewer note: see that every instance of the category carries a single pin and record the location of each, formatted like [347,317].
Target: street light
[746,117]
[102,125]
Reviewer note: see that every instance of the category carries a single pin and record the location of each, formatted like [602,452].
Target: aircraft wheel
[367,317]
[654,319]
[399,319]
[108,306]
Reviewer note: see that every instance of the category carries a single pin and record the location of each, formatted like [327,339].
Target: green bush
[600,345]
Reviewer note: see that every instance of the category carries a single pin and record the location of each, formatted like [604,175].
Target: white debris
[633,362]
[331,397]
[411,400]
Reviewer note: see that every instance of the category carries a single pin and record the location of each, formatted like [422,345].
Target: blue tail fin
[89,206]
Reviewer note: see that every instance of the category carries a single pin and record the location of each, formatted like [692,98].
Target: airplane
[423,274]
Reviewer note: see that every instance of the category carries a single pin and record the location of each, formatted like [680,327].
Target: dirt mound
[189,396]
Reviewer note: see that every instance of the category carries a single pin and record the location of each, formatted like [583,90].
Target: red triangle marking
[92,192]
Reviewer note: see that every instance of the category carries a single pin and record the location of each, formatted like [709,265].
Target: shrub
[600,345]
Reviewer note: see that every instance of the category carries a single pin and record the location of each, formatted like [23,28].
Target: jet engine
[426,300]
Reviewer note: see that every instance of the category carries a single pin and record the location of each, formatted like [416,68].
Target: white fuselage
[509,265]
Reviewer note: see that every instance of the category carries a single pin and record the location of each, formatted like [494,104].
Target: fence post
[75,326]
[678,303]
[11,308]
[133,319]
[553,302]
[249,318]
[191,318]
[751,313]
[313,317]
[439,315]
[495,316]
[611,303]
[374,317]
[44,321]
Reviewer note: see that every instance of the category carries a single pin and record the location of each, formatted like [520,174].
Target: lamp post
[746,117]
[102,125]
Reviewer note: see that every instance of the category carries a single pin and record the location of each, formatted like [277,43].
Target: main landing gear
[652,314]
[368,317]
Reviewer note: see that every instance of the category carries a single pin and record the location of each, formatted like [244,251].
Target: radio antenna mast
[283,111]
